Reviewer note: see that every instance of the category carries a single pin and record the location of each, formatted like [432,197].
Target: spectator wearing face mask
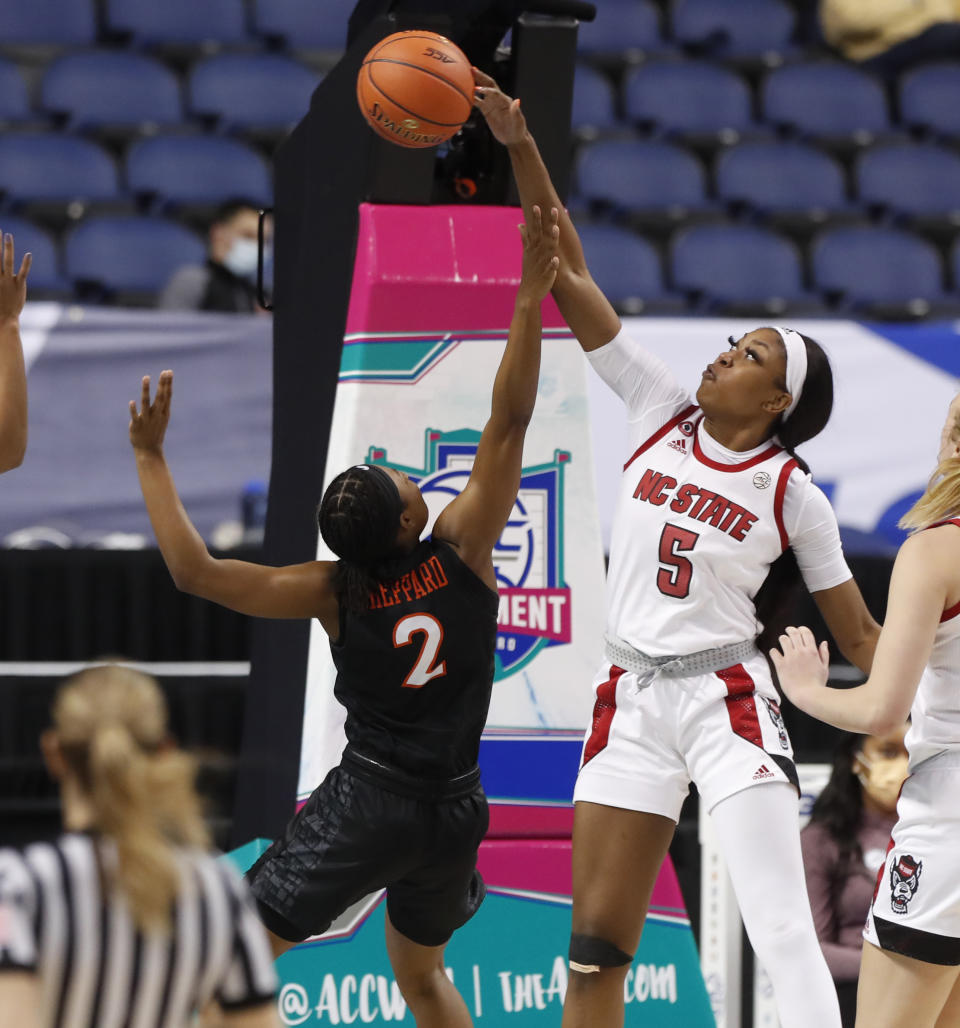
[227,281]
[844,846]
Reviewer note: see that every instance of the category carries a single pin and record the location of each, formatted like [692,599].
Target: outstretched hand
[540,259]
[13,284]
[502,113]
[149,424]
[802,667]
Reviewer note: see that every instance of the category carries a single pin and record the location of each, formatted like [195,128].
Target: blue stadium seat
[594,100]
[825,99]
[178,21]
[106,87]
[14,102]
[244,91]
[129,254]
[930,98]
[870,268]
[638,175]
[916,179]
[305,26]
[688,97]
[731,267]
[47,22]
[622,25]
[54,167]
[772,177]
[186,170]
[628,270]
[741,28]
[45,274]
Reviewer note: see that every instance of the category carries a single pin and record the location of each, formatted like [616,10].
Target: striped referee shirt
[97,970]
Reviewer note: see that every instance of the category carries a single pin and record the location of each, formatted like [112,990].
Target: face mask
[241,258]
[884,779]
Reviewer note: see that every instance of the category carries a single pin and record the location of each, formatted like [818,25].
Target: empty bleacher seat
[827,100]
[739,268]
[628,270]
[251,91]
[14,101]
[205,170]
[148,22]
[109,88]
[878,271]
[47,23]
[305,26]
[930,98]
[690,98]
[594,101]
[129,254]
[739,29]
[774,177]
[45,276]
[54,167]
[915,179]
[642,176]
[622,27]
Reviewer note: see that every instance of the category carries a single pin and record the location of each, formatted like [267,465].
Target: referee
[126,919]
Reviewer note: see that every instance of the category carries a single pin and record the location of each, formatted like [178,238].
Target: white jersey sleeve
[814,535]
[645,384]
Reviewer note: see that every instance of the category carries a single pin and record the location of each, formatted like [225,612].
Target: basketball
[415,88]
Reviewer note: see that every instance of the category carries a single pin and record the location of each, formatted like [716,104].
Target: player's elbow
[887,716]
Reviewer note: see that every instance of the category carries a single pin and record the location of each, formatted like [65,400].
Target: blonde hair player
[711,498]
[125,918]
[910,971]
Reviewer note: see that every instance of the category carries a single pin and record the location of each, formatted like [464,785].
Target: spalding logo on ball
[415,88]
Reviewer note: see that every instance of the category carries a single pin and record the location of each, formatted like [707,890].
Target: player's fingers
[524,236]
[145,393]
[133,410]
[825,652]
[25,265]
[8,254]
[786,643]
[482,78]
[536,221]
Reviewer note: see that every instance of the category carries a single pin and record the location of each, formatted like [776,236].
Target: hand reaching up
[149,424]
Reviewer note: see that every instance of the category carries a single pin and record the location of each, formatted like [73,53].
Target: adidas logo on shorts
[763,772]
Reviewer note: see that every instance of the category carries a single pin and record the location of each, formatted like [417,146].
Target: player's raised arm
[584,307]
[474,520]
[295,591]
[13,376]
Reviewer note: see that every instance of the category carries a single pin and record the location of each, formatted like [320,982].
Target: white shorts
[721,730]
[916,903]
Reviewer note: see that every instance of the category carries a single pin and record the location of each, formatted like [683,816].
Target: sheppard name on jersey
[425,578]
[699,504]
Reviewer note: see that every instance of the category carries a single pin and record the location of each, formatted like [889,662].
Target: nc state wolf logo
[773,709]
[904,879]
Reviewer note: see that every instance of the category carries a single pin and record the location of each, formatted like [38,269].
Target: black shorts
[357,834]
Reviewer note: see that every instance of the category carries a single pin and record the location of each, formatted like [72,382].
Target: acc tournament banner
[425,332]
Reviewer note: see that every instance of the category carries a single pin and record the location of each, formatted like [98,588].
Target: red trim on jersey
[741,706]
[951,612]
[661,432]
[770,451]
[603,711]
[778,501]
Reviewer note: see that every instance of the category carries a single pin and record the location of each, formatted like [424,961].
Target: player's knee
[592,954]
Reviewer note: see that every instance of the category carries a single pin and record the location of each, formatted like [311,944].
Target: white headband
[796,353]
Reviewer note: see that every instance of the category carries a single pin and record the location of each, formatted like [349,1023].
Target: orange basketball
[415,88]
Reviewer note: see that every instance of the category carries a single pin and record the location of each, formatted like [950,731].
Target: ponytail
[941,498]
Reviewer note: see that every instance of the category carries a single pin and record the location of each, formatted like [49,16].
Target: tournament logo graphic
[773,709]
[904,879]
[535,609]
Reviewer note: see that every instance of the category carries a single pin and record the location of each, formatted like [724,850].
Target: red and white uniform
[916,904]
[697,527]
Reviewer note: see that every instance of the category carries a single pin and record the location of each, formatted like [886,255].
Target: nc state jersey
[693,541]
[935,714]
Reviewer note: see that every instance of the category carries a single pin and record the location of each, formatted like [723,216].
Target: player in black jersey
[412,626]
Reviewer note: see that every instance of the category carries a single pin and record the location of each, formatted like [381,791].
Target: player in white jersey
[910,974]
[712,496]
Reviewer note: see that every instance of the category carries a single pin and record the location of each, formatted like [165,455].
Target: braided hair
[778,594]
[359,517]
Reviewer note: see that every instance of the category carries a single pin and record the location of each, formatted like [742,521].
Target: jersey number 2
[431,629]
[673,542]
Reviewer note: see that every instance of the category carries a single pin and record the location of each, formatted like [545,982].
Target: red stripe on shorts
[603,711]
[741,706]
[882,868]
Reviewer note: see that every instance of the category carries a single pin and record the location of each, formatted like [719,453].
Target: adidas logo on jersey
[763,772]
[678,444]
